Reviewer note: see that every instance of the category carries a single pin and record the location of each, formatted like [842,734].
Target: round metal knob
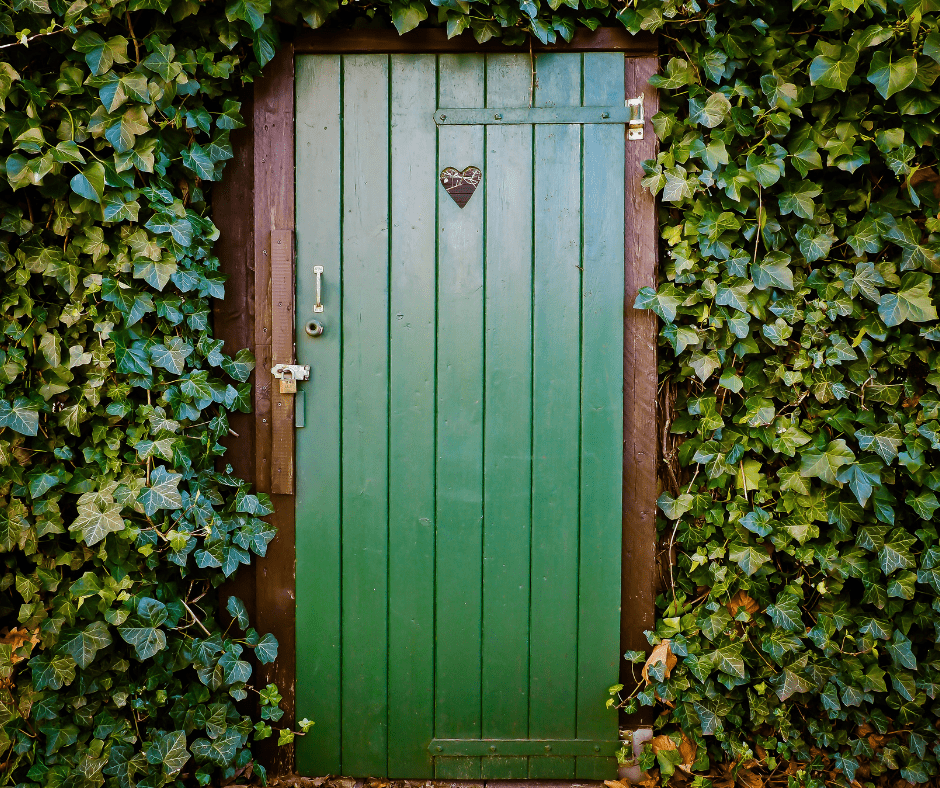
[314,328]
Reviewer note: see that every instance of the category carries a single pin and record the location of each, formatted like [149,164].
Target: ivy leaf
[911,302]
[407,16]
[663,302]
[100,55]
[815,243]
[98,515]
[250,11]
[674,508]
[155,273]
[835,72]
[171,356]
[900,650]
[824,464]
[711,112]
[170,751]
[162,492]
[789,682]
[862,478]
[896,553]
[147,641]
[52,671]
[240,366]
[890,74]
[84,644]
[196,159]
[236,608]
[89,183]
[266,650]
[799,200]
[885,443]
[750,559]
[22,416]
[773,271]
[786,613]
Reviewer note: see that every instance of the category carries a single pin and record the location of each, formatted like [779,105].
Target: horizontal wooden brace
[491,747]
[517,116]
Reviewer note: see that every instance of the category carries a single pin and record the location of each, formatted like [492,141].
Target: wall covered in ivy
[799,352]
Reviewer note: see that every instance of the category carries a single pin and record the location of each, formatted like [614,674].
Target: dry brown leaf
[740,600]
[661,653]
[689,751]
[749,779]
[662,744]
[616,784]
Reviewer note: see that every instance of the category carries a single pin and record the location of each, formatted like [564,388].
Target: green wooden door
[459,474]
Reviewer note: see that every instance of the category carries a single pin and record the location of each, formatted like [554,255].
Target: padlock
[288,383]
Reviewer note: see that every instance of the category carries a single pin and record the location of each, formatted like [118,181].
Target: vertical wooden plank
[233,316]
[282,352]
[364,367]
[507,433]
[556,421]
[459,424]
[601,413]
[319,523]
[411,422]
[639,395]
[273,210]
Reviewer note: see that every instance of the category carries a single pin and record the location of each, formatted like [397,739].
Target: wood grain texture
[460,415]
[233,316]
[508,426]
[556,431]
[318,476]
[365,415]
[431,40]
[274,210]
[639,396]
[600,535]
[412,315]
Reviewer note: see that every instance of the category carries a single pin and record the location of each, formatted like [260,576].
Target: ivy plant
[800,365]
[800,369]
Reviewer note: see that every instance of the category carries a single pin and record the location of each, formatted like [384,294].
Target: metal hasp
[635,127]
[289,374]
[318,272]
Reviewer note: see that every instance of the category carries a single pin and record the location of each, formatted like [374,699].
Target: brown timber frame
[256,252]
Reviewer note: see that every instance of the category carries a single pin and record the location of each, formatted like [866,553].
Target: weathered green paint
[458,478]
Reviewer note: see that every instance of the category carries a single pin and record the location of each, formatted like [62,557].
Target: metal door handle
[318,306]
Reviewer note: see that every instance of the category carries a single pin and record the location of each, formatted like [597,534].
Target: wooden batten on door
[268,321]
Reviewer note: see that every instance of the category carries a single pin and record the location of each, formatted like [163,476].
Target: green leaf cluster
[800,359]
[119,518]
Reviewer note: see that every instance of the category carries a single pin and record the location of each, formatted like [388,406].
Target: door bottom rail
[555,747]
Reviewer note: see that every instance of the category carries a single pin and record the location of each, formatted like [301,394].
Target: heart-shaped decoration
[461,185]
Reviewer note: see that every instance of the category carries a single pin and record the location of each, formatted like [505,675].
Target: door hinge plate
[635,126]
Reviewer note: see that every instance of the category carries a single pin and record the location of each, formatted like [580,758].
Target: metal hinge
[635,126]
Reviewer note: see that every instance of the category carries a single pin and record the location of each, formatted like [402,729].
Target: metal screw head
[548,748]
[443,117]
[492,748]
[439,748]
[498,116]
[605,115]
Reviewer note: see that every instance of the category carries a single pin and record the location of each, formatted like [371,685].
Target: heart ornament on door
[461,185]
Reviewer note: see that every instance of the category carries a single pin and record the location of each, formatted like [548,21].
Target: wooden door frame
[258,313]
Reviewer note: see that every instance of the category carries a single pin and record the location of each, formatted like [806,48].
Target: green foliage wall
[800,397]
[800,365]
